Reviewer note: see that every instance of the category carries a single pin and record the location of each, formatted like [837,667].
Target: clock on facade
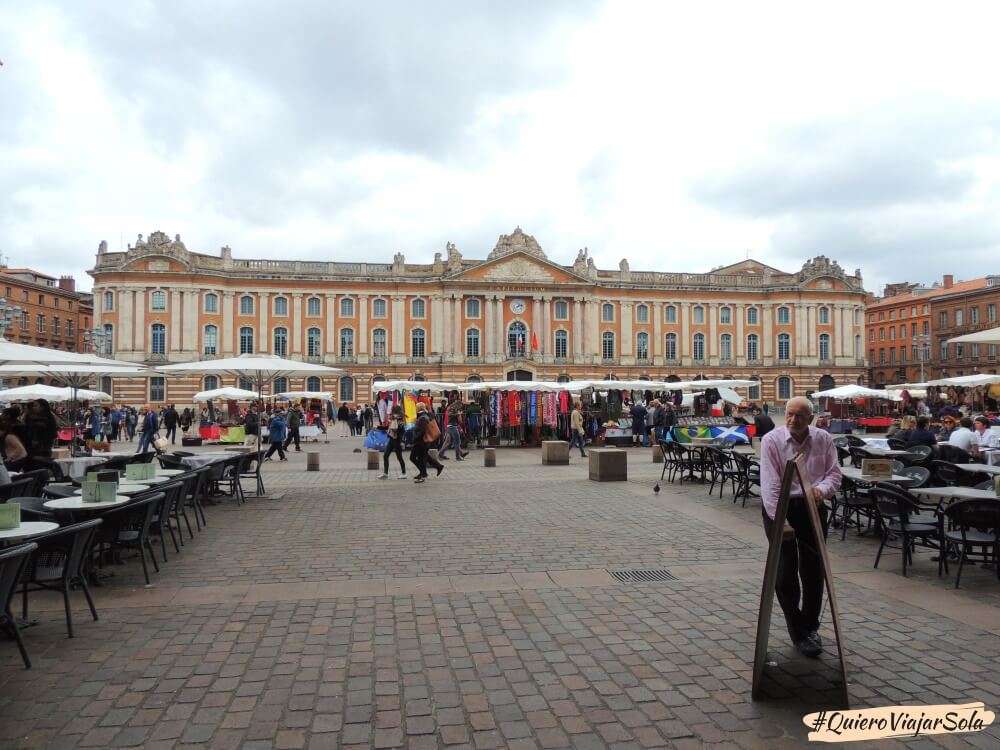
[517,306]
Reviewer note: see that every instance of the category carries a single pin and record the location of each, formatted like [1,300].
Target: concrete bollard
[489,457]
[657,454]
[312,461]
[608,464]
[555,453]
[374,459]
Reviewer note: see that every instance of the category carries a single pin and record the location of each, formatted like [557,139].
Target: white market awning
[989,336]
[51,393]
[851,391]
[225,394]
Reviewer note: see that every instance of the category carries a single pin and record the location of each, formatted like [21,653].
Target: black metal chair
[171,461]
[895,444]
[33,508]
[61,562]
[898,516]
[39,477]
[162,522]
[843,454]
[142,458]
[197,489]
[918,455]
[117,463]
[249,468]
[16,488]
[746,466]
[974,524]
[856,500]
[12,563]
[953,454]
[918,474]
[128,527]
[944,474]
[722,469]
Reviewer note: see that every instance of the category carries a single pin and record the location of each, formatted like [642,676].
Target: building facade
[908,327]
[513,315]
[45,311]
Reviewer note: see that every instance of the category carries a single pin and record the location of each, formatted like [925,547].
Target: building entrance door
[520,375]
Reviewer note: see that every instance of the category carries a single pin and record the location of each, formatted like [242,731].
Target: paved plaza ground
[478,610]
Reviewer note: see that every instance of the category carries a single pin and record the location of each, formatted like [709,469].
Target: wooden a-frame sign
[793,469]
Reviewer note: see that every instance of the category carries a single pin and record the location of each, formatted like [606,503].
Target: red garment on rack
[564,402]
[514,408]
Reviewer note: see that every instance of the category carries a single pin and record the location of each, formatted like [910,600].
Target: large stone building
[44,311]
[515,314]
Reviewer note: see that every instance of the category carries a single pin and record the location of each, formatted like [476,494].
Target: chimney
[67,283]
[949,280]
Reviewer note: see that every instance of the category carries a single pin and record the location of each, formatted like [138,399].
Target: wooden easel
[793,469]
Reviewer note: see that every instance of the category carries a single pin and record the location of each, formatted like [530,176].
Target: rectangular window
[157,389]
[881,356]
[752,316]
[973,315]
[378,308]
[974,351]
[69,328]
[671,314]
[472,311]
[642,314]
[959,317]
[561,344]
[892,315]
[892,356]
[313,307]
[993,351]
[158,301]
[991,313]
[472,343]
[943,319]
[40,324]
[211,303]
[607,312]
[944,349]
[56,327]
[561,309]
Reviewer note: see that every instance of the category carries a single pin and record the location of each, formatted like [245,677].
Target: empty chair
[142,458]
[944,474]
[201,480]
[16,488]
[59,563]
[899,517]
[953,454]
[895,444]
[161,523]
[917,474]
[12,562]
[33,508]
[974,528]
[128,527]
[897,466]
[39,478]
[170,461]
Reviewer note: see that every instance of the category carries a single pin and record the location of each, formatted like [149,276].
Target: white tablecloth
[203,459]
[882,443]
[77,467]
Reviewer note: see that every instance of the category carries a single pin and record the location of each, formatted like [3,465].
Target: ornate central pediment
[519,267]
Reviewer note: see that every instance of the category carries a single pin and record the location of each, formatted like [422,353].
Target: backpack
[432,432]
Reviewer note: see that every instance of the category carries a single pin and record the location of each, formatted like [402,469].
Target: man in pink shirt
[799,558]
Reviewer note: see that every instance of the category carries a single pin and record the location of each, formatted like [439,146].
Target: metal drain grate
[642,576]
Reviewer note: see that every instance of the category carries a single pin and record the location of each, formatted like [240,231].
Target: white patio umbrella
[320,395]
[989,336]
[225,394]
[968,381]
[259,369]
[414,385]
[851,391]
[12,353]
[50,393]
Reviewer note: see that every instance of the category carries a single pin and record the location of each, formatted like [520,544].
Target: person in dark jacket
[277,431]
[170,419]
[344,417]
[921,435]
[763,424]
[638,413]
[41,429]
[149,426]
[419,454]
[294,422]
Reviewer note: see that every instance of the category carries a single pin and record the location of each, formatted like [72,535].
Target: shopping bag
[376,440]
[161,444]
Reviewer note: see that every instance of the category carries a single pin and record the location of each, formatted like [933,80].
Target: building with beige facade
[513,315]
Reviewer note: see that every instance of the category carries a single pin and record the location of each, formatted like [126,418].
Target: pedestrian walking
[149,427]
[170,419]
[395,445]
[294,422]
[425,433]
[277,431]
[344,417]
[576,434]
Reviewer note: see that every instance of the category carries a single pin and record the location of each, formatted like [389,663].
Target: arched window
[607,312]
[752,316]
[671,346]
[670,314]
[158,301]
[346,342]
[346,389]
[784,315]
[314,384]
[561,344]
[347,311]
[210,383]
[246,384]
[472,308]
[824,346]
[698,314]
[314,342]
[281,306]
[313,307]
[642,345]
[826,382]
[753,392]
[753,350]
[108,343]
[281,341]
[246,305]
[824,317]
[417,308]
[158,341]
[211,303]
[280,385]
[641,314]
[608,345]
[725,315]
[378,308]
[564,378]
[698,350]
[784,388]
[784,346]
[109,301]
[417,339]
[561,309]
[211,343]
[246,340]
[517,339]
[378,342]
[725,347]
[472,342]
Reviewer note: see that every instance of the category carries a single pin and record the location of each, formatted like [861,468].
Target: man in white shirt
[962,436]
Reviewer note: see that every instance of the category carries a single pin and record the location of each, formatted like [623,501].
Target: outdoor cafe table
[887,452]
[26,529]
[76,468]
[77,504]
[956,493]
[123,489]
[854,473]
[204,459]
[979,468]
[168,473]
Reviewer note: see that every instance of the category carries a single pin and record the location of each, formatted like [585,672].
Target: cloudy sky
[680,136]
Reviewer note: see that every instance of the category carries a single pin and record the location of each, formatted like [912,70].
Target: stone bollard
[555,453]
[657,454]
[608,465]
[312,461]
[374,459]
[489,457]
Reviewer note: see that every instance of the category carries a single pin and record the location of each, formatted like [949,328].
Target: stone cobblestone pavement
[476,611]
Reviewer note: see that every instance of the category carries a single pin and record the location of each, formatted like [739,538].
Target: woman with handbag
[425,433]
[395,445]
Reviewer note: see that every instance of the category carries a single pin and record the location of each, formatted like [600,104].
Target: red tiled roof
[907,297]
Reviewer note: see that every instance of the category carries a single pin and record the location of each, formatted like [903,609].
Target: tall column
[713,331]
[767,310]
[536,322]
[801,348]
[591,332]
[126,307]
[739,349]
[227,322]
[838,331]
[331,325]
[264,336]
[811,334]
[578,329]
[685,348]
[139,343]
[656,350]
[436,328]
[362,340]
[489,327]
[458,329]
[191,331]
[297,323]
[398,328]
[501,332]
[175,322]
[546,335]
[627,345]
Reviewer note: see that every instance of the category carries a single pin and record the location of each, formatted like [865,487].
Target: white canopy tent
[51,393]
[290,395]
[225,394]
[989,336]
[851,391]
[967,381]
[28,357]
[415,385]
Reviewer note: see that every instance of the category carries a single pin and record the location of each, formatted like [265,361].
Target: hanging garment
[410,409]
[533,408]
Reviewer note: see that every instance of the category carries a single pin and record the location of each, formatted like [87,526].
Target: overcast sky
[677,135]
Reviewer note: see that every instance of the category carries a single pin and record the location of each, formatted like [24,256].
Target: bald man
[801,603]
